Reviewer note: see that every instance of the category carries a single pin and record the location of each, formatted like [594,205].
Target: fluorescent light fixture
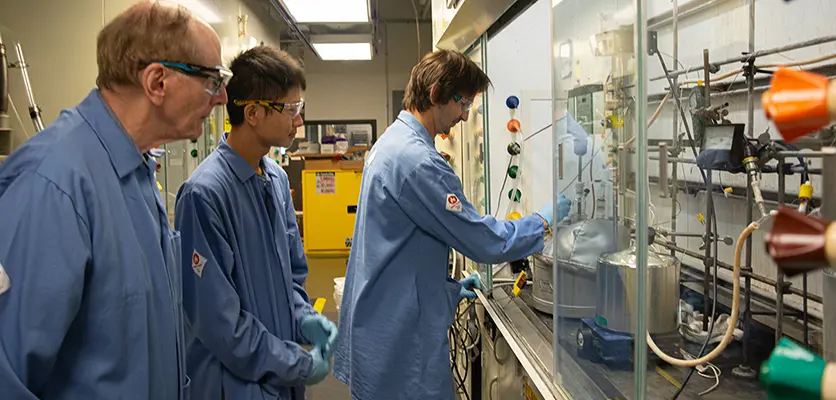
[324,11]
[343,51]
[203,9]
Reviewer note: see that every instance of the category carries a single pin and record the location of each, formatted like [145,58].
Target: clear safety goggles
[216,77]
[465,103]
[293,109]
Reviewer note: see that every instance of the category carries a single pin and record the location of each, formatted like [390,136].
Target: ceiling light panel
[343,51]
[328,11]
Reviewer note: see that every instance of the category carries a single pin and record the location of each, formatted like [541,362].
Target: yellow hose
[732,318]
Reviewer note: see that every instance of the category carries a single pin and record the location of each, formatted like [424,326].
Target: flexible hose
[741,240]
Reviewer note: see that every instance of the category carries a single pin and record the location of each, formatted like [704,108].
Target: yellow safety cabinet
[329,201]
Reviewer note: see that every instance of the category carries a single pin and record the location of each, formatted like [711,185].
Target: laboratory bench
[530,335]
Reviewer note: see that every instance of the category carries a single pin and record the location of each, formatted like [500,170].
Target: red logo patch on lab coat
[198,262]
[453,203]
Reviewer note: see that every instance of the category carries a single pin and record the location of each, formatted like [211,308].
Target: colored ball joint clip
[513,126]
[512,171]
[513,216]
[512,102]
[515,195]
[514,148]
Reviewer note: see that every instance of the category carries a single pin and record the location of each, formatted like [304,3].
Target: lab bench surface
[661,378]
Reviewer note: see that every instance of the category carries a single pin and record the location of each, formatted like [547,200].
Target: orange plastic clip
[513,126]
[797,102]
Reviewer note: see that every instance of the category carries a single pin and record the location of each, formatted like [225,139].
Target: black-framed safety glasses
[216,77]
[294,109]
[465,103]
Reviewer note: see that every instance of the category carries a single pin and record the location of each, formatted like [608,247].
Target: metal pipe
[34,110]
[779,286]
[707,77]
[805,154]
[729,267]
[707,264]
[675,150]
[675,159]
[753,54]
[804,310]
[663,170]
[828,211]
[4,80]
[745,369]
[689,8]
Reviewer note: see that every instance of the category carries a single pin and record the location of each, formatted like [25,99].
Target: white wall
[518,63]
[59,42]
[362,89]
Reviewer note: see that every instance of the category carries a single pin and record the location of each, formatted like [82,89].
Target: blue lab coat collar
[238,164]
[124,155]
[415,126]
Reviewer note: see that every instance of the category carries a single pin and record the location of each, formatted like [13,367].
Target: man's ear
[251,113]
[153,81]
[433,93]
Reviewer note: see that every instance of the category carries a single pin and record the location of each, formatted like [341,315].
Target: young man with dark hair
[244,268]
[398,300]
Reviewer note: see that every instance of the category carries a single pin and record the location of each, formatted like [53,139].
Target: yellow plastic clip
[519,284]
[701,218]
[727,191]
[806,191]
[319,304]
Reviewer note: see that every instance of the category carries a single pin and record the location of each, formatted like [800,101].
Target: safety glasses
[466,104]
[294,109]
[216,77]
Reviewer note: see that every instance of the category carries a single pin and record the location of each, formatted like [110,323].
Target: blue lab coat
[398,301]
[93,310]
[244,269]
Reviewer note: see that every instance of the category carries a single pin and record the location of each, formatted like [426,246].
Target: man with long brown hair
[398,301]
[90,305]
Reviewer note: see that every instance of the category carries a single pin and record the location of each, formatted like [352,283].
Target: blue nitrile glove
[319,331]
[563,207]
[320,366]
[468,284]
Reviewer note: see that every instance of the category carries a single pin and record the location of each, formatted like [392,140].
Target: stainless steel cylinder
[577,248]
[617,297]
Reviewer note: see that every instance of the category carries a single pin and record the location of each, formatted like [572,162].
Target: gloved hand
[319,367]
[319,331]
[563,207]
[468,284]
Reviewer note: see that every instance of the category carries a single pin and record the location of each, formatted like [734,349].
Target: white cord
[716,378]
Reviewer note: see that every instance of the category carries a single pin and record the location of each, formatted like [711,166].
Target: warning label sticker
[326,183]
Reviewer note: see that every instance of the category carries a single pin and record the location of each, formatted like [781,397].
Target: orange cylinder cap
[796,102]
[513,126]
[514,216]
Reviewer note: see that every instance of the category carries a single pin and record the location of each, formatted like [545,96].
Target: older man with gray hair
[90,280]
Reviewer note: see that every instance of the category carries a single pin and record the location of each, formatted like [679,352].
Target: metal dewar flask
[616,280]
[577,248]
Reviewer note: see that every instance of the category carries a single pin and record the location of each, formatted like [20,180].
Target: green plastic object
[194,153]
[512,171]
[515,195]
[792,373]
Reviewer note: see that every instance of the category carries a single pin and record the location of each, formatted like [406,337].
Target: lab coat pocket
[453,291]
[185,390]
